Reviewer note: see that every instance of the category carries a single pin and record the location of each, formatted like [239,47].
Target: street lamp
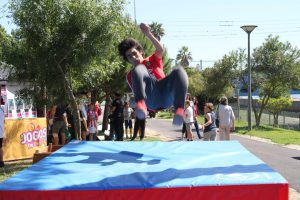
[248,29]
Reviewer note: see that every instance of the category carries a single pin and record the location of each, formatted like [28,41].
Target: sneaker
[178,117]
[141,110]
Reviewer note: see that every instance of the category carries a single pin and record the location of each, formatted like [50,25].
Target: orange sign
[24,137]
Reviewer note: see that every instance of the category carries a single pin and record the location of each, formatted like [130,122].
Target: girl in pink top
[92,121]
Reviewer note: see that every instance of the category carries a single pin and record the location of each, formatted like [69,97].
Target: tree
[276,69]
[196,81]
[184,56]
[220,79]
[55,37]
[5,41]
[276,105]
[157,30]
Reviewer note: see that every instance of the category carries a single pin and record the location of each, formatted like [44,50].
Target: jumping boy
[151,88]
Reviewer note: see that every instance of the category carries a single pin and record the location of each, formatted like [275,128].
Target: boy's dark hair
[127,44]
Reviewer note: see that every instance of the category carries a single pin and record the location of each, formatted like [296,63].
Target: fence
[286,119]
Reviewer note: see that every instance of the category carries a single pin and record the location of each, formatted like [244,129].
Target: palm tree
[184,56]
[157,30]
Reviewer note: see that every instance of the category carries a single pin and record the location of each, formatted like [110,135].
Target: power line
[228,35]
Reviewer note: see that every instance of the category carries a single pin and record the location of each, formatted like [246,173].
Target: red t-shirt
[154,66]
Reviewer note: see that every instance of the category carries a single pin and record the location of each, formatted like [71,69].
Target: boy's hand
[145,28]
[159,49]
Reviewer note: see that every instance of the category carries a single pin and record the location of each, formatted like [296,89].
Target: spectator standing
[83,102]
[183,130]
[226,118]
[118,118]
[209,127]
[83,125]
[92,121]
[70,119]
[98,108]
[60,123]
[50,119]
[188,120]
[128,112]
[196,114]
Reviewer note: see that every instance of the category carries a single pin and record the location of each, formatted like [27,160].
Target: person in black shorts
[118,117]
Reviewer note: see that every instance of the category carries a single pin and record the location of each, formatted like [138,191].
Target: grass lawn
[164,115]
[11,168]
[276,135]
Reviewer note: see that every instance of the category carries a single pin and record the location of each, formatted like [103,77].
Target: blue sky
[211,29]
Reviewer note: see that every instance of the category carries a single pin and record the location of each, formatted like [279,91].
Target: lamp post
[248,29]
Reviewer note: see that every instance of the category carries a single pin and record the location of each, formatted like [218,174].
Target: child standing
[92,121]
[189,120]
[127,112]
[209,127]
[151,88]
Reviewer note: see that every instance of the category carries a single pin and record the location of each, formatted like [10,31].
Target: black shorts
[1,141]
[128,123]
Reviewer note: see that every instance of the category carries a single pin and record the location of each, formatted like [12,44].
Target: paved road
[283,160]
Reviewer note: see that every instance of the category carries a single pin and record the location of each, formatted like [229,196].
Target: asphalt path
[283,160]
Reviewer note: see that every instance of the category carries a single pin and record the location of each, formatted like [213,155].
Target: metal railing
[286,119]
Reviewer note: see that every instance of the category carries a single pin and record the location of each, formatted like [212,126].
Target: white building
[14,106]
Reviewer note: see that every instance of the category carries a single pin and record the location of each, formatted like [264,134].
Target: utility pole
[134,12]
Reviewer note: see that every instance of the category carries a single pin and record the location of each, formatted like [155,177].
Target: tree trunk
[44,92]
[265,101]
[73,103]
[275,120]
[95,94]
[106,113]
[256,113]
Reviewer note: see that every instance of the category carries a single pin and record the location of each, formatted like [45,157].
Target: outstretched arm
[145,28]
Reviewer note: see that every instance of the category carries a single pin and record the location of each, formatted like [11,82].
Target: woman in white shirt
[226,119]
[188,120]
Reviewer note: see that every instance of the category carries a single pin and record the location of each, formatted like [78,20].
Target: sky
[211,29]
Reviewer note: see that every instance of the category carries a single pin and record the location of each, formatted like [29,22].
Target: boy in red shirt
[148,82]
